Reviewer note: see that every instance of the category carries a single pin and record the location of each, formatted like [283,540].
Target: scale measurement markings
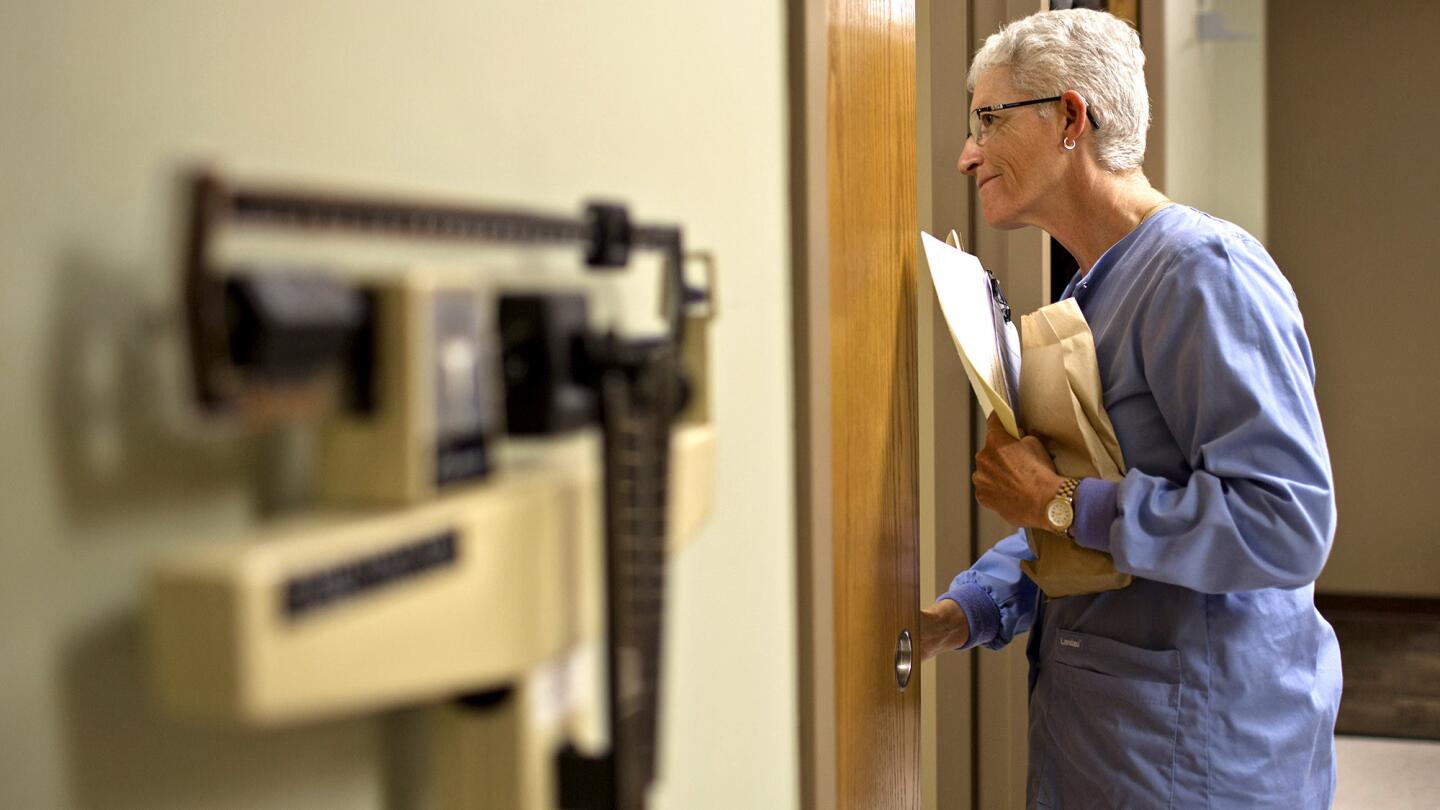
[307,592]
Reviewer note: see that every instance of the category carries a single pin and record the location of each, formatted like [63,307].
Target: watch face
[1060,514]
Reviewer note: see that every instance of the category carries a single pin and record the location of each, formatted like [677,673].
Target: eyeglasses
[985,121]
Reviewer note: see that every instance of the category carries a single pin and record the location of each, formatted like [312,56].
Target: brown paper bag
[1061,404]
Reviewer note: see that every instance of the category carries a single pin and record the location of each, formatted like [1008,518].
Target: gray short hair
[1091,52]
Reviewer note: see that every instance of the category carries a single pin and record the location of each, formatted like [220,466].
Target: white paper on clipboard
[989,345]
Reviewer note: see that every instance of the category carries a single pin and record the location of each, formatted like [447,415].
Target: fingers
[983,498]
[995,432]
[982,485]
[994,427]
[987,466]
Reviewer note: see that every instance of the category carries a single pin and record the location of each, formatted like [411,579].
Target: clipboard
[978,318]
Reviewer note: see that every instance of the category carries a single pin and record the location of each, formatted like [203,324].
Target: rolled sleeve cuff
[1096,504]
[981,612]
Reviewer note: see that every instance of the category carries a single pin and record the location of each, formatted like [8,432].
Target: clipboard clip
[998,296]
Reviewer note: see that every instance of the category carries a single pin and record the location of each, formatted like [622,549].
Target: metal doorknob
[904,660]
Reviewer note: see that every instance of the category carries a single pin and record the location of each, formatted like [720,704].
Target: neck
[1097,210]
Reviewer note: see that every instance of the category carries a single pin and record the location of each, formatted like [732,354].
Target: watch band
[1067,494]
[1067,489]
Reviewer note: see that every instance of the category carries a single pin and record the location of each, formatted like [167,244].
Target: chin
[1001,220]
[999,210]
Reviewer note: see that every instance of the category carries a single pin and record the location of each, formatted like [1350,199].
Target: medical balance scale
[499,485]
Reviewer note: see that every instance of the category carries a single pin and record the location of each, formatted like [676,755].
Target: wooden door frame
[947,408]
[810,301]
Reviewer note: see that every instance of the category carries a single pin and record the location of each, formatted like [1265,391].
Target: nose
[970,157]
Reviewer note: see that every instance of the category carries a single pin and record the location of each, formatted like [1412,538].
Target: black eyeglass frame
[1089,114]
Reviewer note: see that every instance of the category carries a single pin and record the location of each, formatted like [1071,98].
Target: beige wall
[675,107]
[1353,178]
[1213,132]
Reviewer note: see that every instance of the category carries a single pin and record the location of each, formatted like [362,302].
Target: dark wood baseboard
[1377,603]
[1390,652]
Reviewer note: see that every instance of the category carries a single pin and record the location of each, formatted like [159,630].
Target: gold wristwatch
[1061,509]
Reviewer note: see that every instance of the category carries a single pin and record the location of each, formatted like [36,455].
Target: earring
[1069,144]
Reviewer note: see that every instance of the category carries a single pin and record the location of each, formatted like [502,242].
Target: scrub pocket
[1113,715]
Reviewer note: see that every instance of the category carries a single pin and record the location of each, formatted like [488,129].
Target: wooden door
[873,399]
[859,402]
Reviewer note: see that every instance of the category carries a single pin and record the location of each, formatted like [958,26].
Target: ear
[1073,107]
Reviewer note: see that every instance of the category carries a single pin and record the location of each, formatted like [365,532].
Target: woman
[1211,681]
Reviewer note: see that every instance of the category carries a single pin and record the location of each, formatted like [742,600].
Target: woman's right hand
[943,626]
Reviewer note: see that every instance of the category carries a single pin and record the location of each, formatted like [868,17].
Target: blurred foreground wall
[677,108]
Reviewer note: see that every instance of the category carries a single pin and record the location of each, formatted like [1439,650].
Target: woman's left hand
[1015,478]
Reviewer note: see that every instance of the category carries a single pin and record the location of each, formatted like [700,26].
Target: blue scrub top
[1211,681]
